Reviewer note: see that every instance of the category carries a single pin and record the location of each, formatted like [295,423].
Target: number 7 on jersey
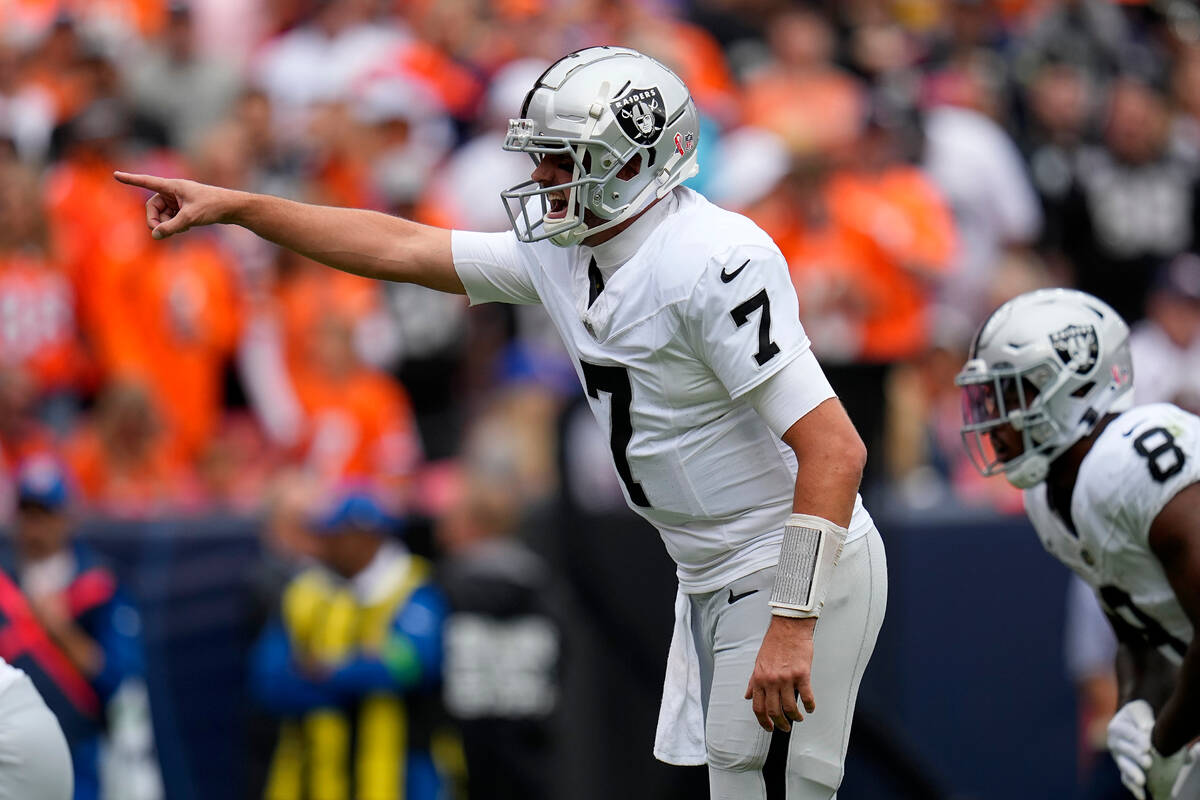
[767,349]
[615,382]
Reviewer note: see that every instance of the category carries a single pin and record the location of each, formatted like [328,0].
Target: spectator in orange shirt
[91,234]
[306,290]
[895,206]
[122,462]
[800,95]
[359,422]
[52,67]
[26,111]
[165,318]
[186,318]
[341,173]
[37,305]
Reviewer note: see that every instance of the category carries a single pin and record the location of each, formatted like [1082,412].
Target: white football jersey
[8,674]
[1137,464]
[702,313]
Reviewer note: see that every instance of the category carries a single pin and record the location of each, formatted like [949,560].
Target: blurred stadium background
[917,161]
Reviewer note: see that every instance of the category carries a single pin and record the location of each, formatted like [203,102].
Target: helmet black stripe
[979,333]
[538,85]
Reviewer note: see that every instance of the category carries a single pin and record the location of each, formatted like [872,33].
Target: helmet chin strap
[1031,467]
[1030,472]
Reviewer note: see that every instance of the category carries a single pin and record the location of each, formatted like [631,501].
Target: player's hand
[783,669]
[177,204]
[1129,742]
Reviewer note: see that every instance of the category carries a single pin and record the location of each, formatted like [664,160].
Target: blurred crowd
[917,161]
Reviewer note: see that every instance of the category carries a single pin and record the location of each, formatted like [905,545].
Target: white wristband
[811,549]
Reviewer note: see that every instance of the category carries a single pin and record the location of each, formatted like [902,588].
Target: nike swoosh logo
[726,277]
[733,598]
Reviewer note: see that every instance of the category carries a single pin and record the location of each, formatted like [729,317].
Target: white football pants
[35,763]
[728,635]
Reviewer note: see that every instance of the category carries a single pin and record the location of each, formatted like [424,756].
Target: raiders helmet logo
[1077,343]
[641,114]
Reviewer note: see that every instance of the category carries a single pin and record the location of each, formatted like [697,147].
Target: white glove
[1187,783]
[1129,742]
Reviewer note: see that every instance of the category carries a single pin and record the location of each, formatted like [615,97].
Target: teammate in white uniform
[684,329]
[1114,493]
[35,763]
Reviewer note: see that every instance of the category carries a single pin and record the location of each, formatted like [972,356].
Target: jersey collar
[611,255]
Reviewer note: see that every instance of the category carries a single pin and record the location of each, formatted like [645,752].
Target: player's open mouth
[558,207]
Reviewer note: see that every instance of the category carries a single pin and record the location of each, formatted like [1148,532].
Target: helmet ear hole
[632,168]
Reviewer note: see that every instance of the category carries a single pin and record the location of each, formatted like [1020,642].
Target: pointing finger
[151,182]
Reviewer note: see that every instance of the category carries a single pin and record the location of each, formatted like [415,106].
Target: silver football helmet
[603,106]
[1050,363]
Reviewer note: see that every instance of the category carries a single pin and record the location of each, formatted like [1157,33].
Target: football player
[683,327]
[1114,493]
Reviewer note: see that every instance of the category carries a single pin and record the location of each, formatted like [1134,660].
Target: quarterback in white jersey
[683,326]
[1114,493]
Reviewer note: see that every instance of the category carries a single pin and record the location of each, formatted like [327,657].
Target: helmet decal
[684,142]
[641,114]
[1077,344]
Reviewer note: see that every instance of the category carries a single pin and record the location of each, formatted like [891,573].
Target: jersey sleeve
[743,319]
[1155,455]
[791,393]
[494,267]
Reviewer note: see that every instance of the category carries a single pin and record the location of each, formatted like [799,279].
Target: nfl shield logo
[684,142]
[641,115]
[1077,343]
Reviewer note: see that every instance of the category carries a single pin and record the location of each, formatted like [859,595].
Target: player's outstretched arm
[1175,540]
[365,243]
